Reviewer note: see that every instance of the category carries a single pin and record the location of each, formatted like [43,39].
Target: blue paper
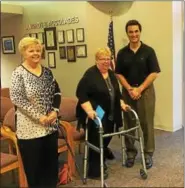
[100,113]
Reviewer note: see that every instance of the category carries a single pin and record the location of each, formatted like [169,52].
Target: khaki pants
[145,108]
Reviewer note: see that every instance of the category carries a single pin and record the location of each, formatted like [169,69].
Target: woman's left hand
[125,107]
[52,117]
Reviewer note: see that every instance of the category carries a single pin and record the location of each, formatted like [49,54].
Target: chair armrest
[69,129]
[8,133]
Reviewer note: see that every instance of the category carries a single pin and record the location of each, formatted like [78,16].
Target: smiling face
[133,33]
[103,63]
[103,59]
[32,53]
[30,49]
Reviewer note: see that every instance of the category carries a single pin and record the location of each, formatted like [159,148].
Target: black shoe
[148,162]
[97,177]
[108,154]
[130,162]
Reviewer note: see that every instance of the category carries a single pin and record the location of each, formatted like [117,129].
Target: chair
[67,113]
[67,110]
[6,105]
[9,121]
[10,161]
[62,146]
[5,92]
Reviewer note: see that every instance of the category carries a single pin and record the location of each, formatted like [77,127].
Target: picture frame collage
[64,39]
[71,52]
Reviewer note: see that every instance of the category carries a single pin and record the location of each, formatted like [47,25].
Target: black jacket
[92,87]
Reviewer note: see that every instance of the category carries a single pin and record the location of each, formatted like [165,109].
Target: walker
[123,133]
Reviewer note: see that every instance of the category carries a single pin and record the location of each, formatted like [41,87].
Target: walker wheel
[105,185]
[143,174]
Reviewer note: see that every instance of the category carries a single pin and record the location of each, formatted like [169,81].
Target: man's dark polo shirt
[135,67]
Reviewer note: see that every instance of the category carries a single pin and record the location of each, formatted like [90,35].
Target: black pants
[145,108]
[93,137]
[40,160]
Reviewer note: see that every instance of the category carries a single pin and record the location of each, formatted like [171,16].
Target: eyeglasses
[104,59]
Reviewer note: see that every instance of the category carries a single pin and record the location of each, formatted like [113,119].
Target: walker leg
[101,157]
[143,171]
[123,149]
[85,156]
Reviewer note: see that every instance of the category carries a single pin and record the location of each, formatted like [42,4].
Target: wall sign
[53,23]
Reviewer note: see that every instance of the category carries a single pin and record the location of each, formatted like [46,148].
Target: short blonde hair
[26,42]
[102,52]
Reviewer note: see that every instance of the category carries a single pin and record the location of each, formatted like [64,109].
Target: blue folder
[100,113]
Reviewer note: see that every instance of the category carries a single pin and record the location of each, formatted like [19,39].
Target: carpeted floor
[167,171]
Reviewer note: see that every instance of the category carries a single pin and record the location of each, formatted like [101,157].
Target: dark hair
[133,22]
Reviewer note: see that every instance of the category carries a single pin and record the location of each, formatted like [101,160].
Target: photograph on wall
[26,35]
[62,52]
[70,35]
[61,37]
[51,60]
[71,54]
[50,36]
[80,35]
[8,45]
[43,53]
[81,50]
[40,36]
[34,35]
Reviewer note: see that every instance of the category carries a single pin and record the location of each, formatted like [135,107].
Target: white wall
[177,65]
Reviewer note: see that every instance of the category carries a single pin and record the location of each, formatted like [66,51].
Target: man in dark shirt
[136,68]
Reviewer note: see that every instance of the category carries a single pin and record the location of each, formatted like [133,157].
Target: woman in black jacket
[99,86]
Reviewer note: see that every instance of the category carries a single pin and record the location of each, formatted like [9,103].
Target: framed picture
[80,37]
[50,36]
[34,35]
[8,45]
[71,54]
[62,52]
[43,53]
[70,35]
[40,36]
[51,60]
[81,50]
[61,37]
[26,35]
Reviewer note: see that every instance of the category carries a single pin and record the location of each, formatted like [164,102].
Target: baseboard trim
[163,128]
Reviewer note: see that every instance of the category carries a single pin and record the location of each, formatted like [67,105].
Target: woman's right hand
[91,114]
[44,120]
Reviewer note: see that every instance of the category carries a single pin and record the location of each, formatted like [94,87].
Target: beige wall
[156,19]
[10,61]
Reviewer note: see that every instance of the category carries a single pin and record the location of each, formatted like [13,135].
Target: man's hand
[130,92]
[52,117]
[136,93]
